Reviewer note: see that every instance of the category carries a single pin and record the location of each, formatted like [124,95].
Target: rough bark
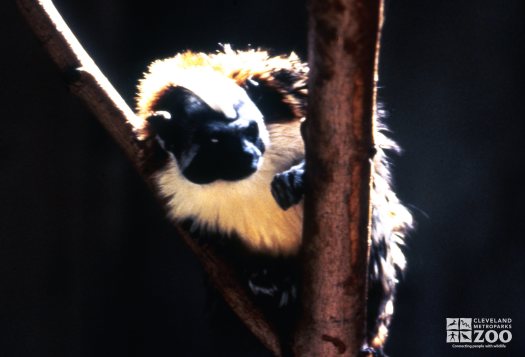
[87,82]
[343,44]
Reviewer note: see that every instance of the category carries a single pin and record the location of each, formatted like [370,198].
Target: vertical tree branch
[343,43]
[87,82]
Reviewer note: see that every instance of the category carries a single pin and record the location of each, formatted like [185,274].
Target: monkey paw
[367,351]
[288,186]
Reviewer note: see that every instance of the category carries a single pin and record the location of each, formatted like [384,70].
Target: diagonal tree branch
[87,82]
[343,56]
[343,46]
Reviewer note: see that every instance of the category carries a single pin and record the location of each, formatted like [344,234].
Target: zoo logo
[461,330]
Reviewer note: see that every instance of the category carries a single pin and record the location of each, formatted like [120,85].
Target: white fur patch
[244,207]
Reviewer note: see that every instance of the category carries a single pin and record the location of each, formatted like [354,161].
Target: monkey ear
[173,115]
[280,96]
[159,121]
[269,100]
[179,102]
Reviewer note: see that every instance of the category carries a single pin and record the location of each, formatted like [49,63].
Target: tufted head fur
[179,95]
[234,89]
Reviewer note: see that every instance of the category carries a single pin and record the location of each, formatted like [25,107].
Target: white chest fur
[246,207]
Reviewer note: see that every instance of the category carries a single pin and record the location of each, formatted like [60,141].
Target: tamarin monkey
[229,127]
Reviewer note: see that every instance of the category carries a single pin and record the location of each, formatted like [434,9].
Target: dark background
[89,266]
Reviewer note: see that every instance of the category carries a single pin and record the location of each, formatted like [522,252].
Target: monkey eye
[252,130]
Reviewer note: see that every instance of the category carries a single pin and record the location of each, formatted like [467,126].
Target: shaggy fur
[246,208]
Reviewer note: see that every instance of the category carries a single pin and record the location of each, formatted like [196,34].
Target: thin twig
[87,82]
[343,43]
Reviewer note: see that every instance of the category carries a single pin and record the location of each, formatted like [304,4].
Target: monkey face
[208,143]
